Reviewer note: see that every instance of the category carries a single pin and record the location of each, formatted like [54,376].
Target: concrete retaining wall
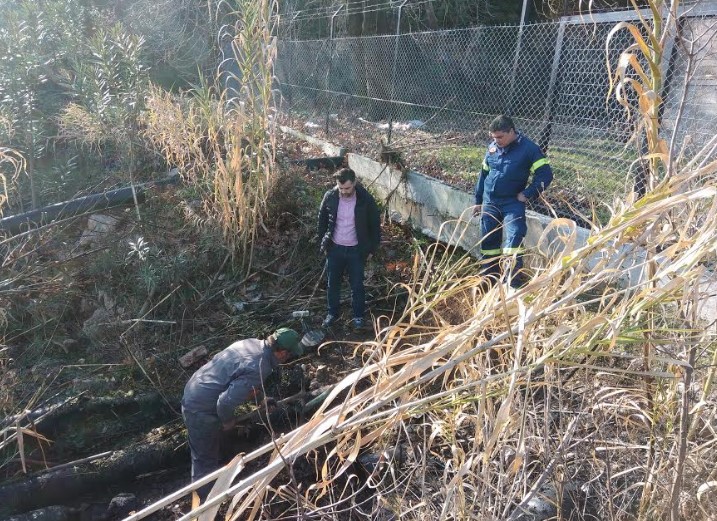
[440,211]
[327,148]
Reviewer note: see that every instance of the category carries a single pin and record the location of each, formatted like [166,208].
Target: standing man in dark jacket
[234,376]
[350,231]
[501,193]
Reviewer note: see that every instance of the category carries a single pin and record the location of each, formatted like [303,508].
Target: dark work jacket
[229,378]
[368,222]
[505,172]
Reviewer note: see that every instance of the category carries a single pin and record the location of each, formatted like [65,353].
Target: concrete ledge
[436,208]
[328,148]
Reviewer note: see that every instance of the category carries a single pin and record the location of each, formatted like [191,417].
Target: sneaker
[329,320]
[358,323]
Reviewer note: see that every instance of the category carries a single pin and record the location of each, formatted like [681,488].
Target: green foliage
[36,38]
[110,87]
[462,161]
[69,62]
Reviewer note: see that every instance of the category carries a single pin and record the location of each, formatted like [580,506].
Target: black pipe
[17,223]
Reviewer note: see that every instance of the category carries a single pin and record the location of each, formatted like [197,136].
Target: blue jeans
[338,260]
[204,432]
[503,228]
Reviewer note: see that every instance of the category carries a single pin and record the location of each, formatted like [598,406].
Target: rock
[99,321]
[544,505]
[237,306]
[106,300]
[323,374]
[69,344]
[98,227]
[53,513]
[97,385]
[121,506]
[189,359]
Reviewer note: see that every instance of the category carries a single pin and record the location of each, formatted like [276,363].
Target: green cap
[288,339]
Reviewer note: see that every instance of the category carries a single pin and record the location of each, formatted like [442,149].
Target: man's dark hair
[501,124]
[344,174]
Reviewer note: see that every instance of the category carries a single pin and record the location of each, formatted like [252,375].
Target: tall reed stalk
[221,137]
[565,406]
[12,163]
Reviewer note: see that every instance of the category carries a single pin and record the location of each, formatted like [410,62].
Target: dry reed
[513,390]
[222,138]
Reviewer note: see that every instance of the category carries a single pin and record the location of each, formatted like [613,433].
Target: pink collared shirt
[345,230]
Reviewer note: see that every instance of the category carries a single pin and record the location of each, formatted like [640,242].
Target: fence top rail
[699,9]
[466,30]
[693,11]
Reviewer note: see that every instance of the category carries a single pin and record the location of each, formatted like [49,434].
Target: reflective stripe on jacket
[505,172]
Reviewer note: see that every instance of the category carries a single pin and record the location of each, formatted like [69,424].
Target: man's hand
[476,210]
[522,198]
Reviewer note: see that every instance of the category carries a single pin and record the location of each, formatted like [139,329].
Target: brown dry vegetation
[477,399]
[591,388]
[105,323]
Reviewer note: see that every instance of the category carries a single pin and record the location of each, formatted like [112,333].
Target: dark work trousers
[338,260]
[205,435]
[503,228]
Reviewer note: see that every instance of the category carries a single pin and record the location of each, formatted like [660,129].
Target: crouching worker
[234,376]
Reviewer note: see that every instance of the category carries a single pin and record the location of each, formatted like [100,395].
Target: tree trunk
[431,19]
[59,486]
[355,29]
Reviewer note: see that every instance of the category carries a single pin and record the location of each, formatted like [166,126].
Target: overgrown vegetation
[592,387]
[221,135]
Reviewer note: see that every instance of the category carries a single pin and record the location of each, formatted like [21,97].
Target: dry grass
[492,394]
[16,163]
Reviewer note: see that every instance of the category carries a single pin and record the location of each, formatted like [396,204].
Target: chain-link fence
[428,97]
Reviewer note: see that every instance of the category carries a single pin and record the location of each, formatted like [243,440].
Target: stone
[52,513]
[189,359]
[121,506]
[100,321]
[98,227]
[69,344]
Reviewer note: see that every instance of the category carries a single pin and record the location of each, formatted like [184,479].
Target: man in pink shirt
[349,229]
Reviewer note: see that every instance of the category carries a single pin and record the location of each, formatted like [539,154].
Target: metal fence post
[290,72]
[516,60]
[331,60]
[551,97]
[393,71]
